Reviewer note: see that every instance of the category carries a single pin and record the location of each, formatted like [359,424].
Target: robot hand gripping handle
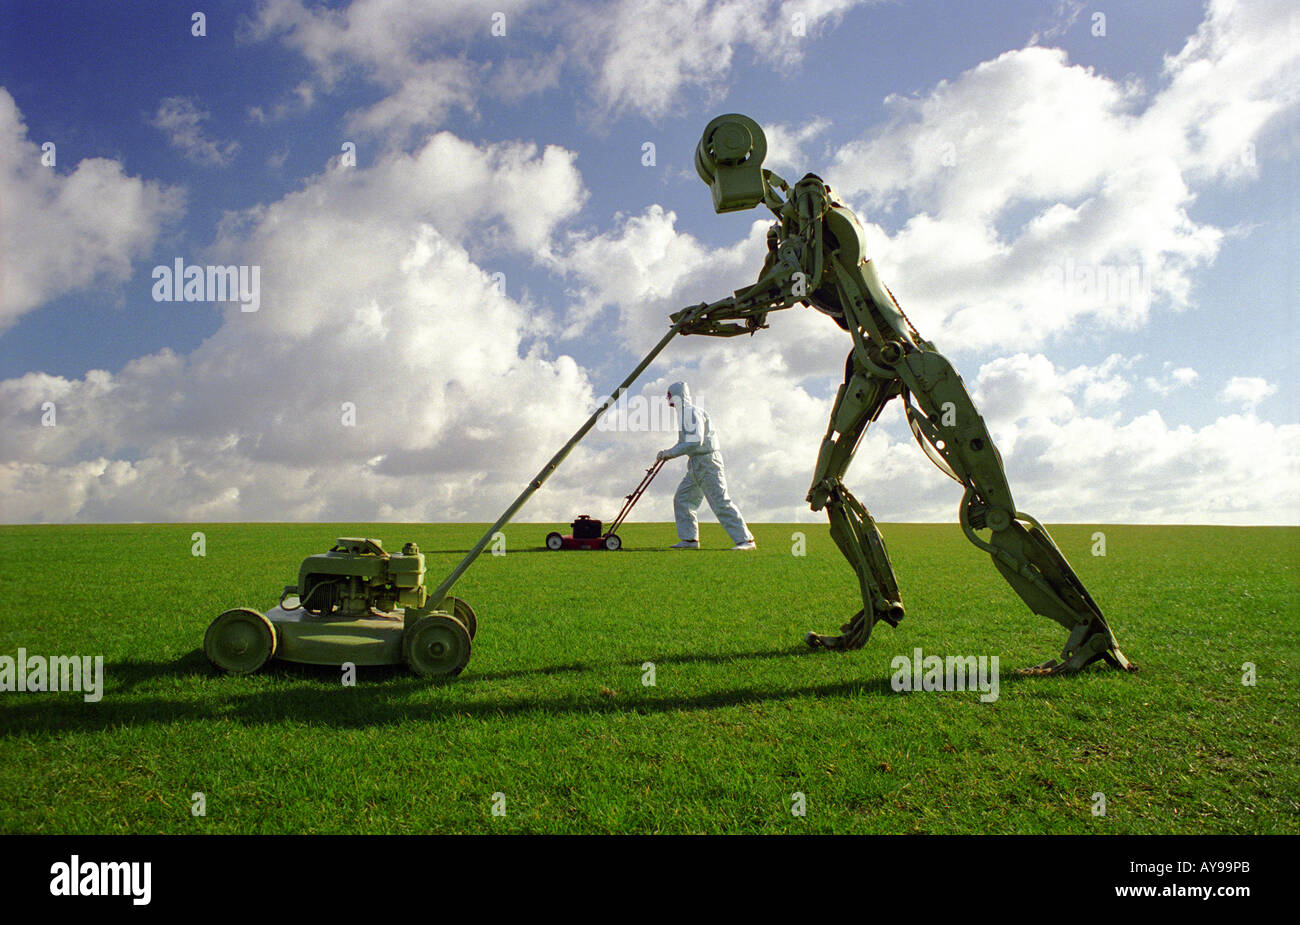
[693,313]
[744,312]
[707,317]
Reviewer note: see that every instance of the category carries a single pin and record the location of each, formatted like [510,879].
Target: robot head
[729,158]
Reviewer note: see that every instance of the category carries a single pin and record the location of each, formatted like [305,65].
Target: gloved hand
[660,455]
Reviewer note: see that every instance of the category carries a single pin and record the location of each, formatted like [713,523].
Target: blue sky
[981,145]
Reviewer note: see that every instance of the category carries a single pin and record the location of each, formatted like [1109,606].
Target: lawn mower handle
[630,501]
[684,318]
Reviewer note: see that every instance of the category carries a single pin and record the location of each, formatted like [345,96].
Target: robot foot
[1088,643]
[857,631]
[820,641]
[854,635]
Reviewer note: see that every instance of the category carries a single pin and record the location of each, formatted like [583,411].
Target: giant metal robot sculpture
[816,255]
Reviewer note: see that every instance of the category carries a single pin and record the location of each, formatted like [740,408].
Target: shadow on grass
[557,552]
[383,695]
[675,552]
[723,658]
[465,552]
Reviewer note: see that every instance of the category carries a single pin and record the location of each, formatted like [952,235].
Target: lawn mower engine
[357,577]
[354,604]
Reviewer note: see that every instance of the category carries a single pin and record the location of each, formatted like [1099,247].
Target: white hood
[695,434]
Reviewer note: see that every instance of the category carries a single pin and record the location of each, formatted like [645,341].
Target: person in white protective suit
[698,442]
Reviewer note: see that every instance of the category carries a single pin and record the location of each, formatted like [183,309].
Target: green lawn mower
[354,604]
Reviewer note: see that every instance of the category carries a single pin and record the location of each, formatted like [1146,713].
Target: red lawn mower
[587,533]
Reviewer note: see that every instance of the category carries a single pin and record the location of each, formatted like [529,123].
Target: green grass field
[552,712]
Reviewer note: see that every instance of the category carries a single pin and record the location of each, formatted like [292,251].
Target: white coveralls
[698,441]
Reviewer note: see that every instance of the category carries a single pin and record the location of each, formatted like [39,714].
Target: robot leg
[858,538]
[949,427]
[859,401]
[1023,551]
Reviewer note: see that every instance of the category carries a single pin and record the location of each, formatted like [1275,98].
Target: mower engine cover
[357,575]
[584,528]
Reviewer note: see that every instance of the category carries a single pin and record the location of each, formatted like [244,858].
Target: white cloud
[1237,469]
[1068,463]
[1247,391]
[1062,19]
[1103,171]
[407,47]
[1227,83]
[377,290]
[1106,191]
[643,56]
[422,99]
[178,117]
[651,52]
[786,147]
[1070,454]
[1172,378]
[1027,133]
[647,269]
[302,99]
[508,196]
[369,297]
[517,78]
[78,229]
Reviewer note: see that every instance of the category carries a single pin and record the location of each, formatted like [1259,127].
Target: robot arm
[745,311]
[792,269]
